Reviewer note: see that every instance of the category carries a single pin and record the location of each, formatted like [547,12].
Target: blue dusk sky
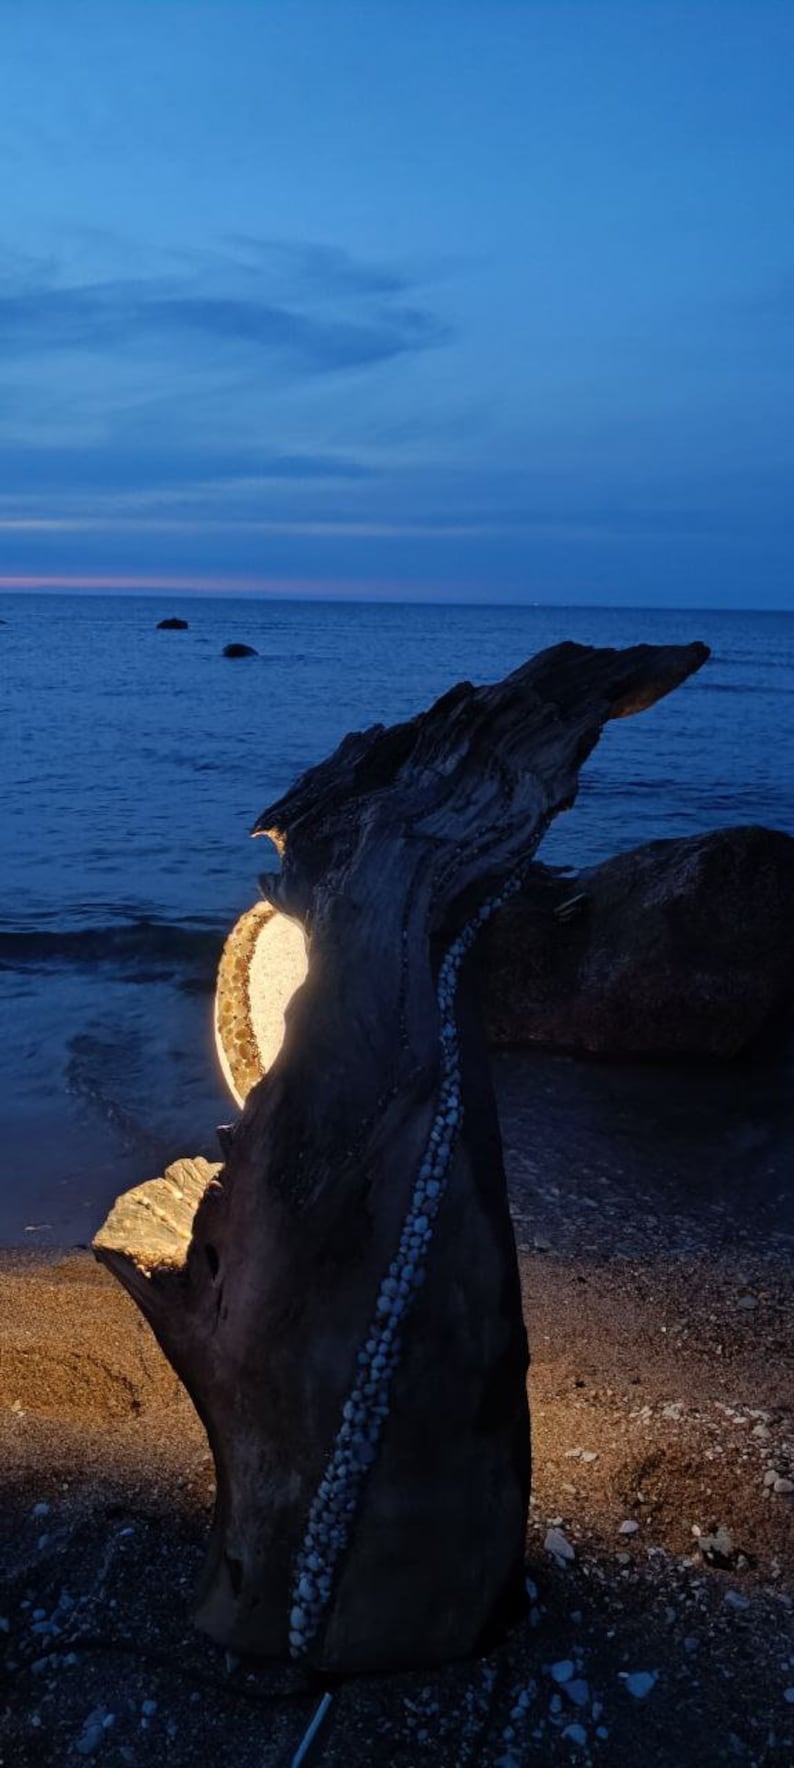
[477,299]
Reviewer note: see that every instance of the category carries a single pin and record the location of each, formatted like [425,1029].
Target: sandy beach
[661,1391]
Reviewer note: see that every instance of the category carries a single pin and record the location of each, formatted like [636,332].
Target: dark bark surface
[341,1299]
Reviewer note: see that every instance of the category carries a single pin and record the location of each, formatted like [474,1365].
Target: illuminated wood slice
[263,963]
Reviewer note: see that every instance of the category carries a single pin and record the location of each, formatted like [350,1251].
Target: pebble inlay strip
[333,1510]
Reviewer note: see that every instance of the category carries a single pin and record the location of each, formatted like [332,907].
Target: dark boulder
[677,948]
[239,651]
[173,624]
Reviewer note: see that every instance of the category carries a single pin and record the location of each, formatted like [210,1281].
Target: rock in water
[677,948]
[172,624]
[239,651]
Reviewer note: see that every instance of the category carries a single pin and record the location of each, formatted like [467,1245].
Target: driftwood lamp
[341,1296]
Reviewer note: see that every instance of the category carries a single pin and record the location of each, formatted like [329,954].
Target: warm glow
[263,963]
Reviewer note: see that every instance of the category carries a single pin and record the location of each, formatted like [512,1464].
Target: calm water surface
[134,762]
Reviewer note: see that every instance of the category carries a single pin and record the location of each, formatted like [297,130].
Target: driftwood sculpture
[341,1297]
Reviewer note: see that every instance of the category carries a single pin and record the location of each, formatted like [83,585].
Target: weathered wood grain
[347,1315]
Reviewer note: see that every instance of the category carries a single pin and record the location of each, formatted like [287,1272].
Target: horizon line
[324,591]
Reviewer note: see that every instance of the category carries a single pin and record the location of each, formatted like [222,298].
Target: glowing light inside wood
[263,963]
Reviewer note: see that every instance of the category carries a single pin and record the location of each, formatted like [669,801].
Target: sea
[135,761]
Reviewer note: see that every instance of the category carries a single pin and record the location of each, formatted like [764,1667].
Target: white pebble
[559,1546]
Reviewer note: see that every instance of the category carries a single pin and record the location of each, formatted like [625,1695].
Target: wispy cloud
[201,583]
[204,378]
[90,468]
[103,316]
[311,308]
[344,528]
[308,266]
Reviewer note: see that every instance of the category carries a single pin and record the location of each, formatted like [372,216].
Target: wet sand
[653,1218]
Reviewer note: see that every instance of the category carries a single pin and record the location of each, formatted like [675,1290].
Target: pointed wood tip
[653,672]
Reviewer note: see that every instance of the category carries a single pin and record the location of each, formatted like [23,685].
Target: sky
[483,300]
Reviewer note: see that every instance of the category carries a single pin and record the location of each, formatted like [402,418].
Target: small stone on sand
[639,1682]
[559,1546]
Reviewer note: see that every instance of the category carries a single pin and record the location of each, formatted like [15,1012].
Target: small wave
[101,1071]
[156,946]
[769,689]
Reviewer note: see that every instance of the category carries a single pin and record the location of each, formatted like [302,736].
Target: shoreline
[702,1139]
